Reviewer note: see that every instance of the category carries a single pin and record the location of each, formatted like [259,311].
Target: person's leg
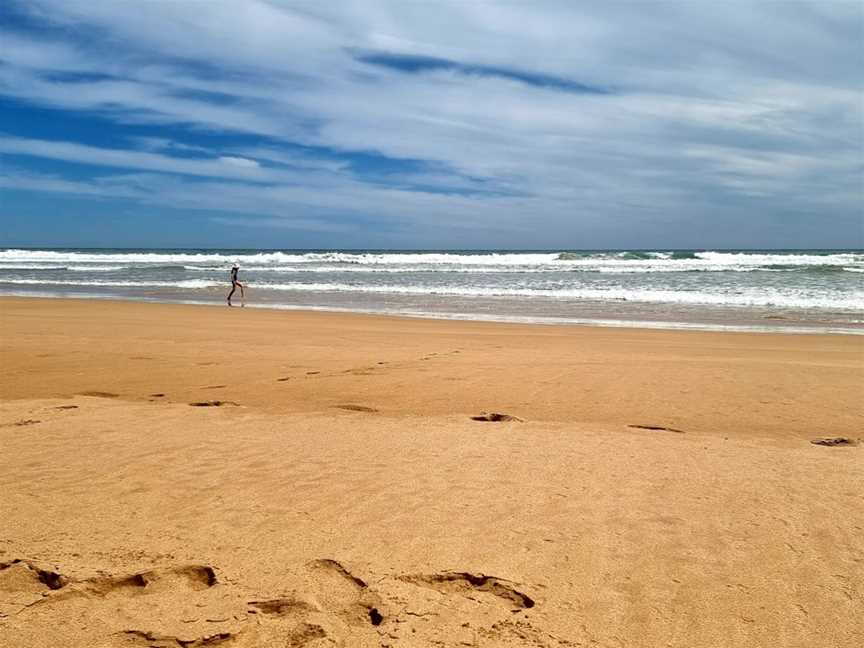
[242,291]
[230,294]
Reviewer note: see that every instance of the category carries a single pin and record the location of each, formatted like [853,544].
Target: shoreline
[736,326]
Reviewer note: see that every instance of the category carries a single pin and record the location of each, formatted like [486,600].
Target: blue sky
[431,125]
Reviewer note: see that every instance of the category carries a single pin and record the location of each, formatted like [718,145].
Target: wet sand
[187,476]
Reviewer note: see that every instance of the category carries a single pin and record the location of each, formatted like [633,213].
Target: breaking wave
[751,297]
[638,261]
[825,283]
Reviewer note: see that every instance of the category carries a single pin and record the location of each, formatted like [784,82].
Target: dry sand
[342,495]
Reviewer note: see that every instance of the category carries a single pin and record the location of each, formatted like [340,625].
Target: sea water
[806,290]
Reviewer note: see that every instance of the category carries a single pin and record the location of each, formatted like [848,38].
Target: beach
[187,475]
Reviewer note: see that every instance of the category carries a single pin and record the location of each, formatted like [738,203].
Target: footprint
[464,608]
[826,441]
[356,408]
[283,379]
[185,577]
[151,602]
[348,596]
[157,395]
[333,607]
[656,428]
[466,583]
[23,583]
[312,373]
[98,394]
[21,423]
[361,371]
[215,387]
[496,417]
[66,407]
[48,577]
[213,403]
[171,607]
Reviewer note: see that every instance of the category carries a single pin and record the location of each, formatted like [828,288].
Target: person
[235,282]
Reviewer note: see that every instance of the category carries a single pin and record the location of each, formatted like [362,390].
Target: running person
[235,282]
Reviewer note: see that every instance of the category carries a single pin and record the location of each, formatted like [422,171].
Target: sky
[430,125]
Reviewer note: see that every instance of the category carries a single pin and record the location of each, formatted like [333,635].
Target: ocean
[793,290]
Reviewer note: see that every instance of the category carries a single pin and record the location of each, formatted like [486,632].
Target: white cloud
[243,163]
[731,111]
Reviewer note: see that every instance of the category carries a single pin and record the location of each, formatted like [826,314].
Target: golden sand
[331,487]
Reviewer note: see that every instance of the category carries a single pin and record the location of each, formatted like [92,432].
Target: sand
[340,493]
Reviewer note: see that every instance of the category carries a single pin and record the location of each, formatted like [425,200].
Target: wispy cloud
[243,163]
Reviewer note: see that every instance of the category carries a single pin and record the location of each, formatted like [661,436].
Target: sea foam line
[487,317]
[491,259]
[748,297]
[188,283]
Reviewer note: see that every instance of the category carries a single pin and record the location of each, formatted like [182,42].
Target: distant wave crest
[624,261]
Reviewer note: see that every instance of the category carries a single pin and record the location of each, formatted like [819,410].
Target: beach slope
[194,476]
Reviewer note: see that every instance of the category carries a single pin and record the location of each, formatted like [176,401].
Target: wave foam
[639,261]
[189,283]
[751,297]
[764,297]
